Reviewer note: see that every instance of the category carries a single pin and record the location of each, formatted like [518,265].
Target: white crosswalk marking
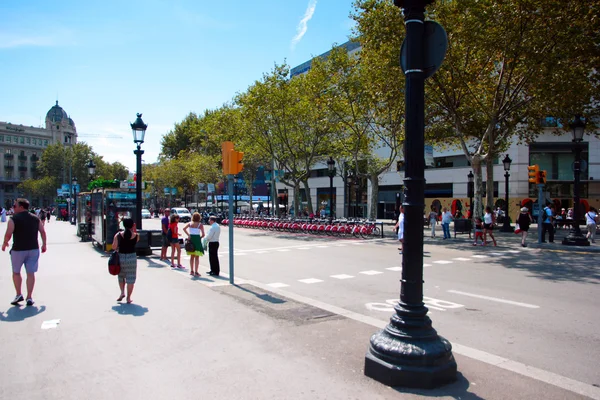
[310,280]
[480,256]
[496,254]
[261,252]
[342,276]
[340,245]
[461,259]
[442,262]
[322,247]
[394,269]
[283,250]
[513,251]
[303,248]
[371,272]
[277,285]
[426,265]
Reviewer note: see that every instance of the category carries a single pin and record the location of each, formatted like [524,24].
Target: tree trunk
[297,198]
[489,195]
[478,186]
[374,179]
[307,190]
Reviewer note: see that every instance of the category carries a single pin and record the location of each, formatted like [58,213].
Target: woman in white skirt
[400,228]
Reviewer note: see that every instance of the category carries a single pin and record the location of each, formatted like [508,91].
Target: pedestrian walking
[195,235]
[524,221]
[591,218]
[212,238]
[166,243]
[42,216]
[173,234]
[478,231]
[23,227]
[48,215]
[124,243]
[400,229]
[446,219]
[488,225]
[432,221]
[547,225]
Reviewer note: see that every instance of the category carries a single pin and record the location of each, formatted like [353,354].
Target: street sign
[435,45]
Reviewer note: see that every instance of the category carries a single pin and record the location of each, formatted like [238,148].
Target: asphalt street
[272,337]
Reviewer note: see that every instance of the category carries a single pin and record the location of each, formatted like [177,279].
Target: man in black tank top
[23,227]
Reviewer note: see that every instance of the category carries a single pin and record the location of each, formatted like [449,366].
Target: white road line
[461,259]
[342,276]
[480,256]
[310,280]
[541,375]
[261,252]
[514,303]
[277,285]
[303,248]
[322,247]
[340,245]
[442,262]
[426,265]
[283,250]
[394,269]
[513,251]
[371,272]
[497,254]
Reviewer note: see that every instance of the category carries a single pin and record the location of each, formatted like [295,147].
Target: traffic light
[542,177]
[226,149]
[533,171]
[235,162]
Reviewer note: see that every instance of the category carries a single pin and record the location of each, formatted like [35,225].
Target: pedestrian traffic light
[226,149]
[542,177]
[533,171]
[235,162]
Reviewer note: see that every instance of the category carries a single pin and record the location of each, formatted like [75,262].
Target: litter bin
[142,248]
[463,225]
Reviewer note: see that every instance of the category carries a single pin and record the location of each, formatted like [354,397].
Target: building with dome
[21,148]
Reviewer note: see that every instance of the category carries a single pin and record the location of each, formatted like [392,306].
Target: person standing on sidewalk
[547,225]
[432,221]
[590,218]
[524,220]
[23,227]
[446,219]
[212,238]
[166,243]
[400,229]
[195,235]
[173,234]
[125,245]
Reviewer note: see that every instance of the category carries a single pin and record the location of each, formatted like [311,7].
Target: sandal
[197,274]
[129,301]
[121,297]
[191,273]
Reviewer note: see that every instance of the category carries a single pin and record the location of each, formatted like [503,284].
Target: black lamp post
[471,191]
[74,185]
[575,237]
[268,198]
[409,352]
[357,188]
[139,131]
[331,170]
[350,180]
[91,169]
[506,225]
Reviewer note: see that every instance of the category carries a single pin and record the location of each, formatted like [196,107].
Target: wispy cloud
[60,37]
[303,24]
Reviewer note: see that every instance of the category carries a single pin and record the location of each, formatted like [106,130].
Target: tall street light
[350,180]
[74,185]
[506,226]
[139,131]
[471,191]
[575,238]
[408,351]
[331,170]
[268,198]
[357,188]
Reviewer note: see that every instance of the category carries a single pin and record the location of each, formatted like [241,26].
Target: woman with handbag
[193,245]
[524,220]
[124,243]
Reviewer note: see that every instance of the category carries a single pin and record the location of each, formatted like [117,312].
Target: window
[45,143]
[8,175]
[9,188]
[1,138]
[8,151]
[495,188]
[28,140]
[8,139]
[16,139]
[22,154]
[22,140]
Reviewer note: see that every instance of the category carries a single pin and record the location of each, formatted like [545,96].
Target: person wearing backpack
[547,225]
[591,217]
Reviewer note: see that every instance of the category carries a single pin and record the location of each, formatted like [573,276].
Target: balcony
[8,156]
[9,168]
[34,158]
[23,169]
[23,158]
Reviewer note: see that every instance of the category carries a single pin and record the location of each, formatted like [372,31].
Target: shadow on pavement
[153,263]
[15,314]
[130,309]
[262,296]
[456,390]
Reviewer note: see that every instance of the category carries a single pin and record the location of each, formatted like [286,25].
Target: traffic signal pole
[540,212]
[230,218]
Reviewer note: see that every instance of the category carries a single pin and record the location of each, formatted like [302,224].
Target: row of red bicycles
[340,227]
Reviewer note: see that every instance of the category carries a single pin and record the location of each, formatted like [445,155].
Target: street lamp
[506,226]
[91,168]
[268,198]
[235,192]
[357,188]
[74,186]
[575,238]
[331,170]
[408,351]
[139,131]
[349,181]
[471,191]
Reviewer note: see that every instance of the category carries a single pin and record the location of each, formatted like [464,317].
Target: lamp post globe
[138,128]
[575,237]
[331,171]
[506,225]
[91,168]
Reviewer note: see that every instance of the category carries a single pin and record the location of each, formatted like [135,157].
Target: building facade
[21,148]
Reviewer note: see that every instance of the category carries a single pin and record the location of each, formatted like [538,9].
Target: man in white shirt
[212,238]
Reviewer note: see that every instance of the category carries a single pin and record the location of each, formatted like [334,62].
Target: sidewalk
[198,338]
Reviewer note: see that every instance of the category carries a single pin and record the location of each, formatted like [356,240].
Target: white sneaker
[17,300]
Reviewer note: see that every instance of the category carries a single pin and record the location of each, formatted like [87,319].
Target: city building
[447,170]
[21,148]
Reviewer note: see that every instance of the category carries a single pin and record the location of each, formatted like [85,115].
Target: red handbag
[114,264]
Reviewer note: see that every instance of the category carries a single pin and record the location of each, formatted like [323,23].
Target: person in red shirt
[173,234]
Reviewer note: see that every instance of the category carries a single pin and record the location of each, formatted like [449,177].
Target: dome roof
[56,113]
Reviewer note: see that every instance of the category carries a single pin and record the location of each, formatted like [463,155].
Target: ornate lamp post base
[507,228]
[575,239]
[410,353]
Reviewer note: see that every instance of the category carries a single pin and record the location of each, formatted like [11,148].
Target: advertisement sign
[211,188]
[130,185]
[429,156]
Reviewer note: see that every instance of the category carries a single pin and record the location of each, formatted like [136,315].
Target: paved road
[533,306]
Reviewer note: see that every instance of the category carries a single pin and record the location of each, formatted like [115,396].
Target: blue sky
[107,60]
